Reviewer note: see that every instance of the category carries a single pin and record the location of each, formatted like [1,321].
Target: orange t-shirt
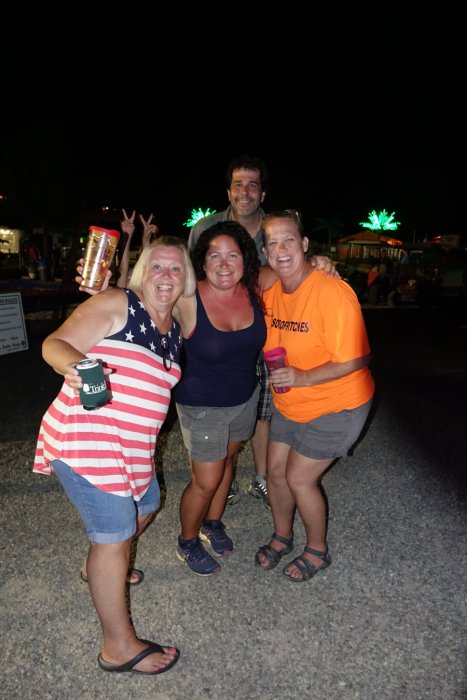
[321,321]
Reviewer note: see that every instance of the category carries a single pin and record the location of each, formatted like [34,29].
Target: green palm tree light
[381,222]
[196,215]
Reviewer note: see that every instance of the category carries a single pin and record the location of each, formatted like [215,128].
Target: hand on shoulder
[322,262]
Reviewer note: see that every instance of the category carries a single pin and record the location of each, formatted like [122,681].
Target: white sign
[13,335]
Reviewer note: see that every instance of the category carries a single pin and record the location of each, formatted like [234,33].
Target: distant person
[383,279]
[405,258]
[104,458]
[150,233]
[318,320]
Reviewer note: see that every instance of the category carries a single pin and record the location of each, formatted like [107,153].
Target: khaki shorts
[207,430]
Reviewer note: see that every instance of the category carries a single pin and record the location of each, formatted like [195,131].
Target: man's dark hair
[247,247]
[249,163]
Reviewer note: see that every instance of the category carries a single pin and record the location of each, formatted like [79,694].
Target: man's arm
[322,262]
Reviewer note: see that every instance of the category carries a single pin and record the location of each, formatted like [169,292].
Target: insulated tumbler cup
[276,358]
[100,251]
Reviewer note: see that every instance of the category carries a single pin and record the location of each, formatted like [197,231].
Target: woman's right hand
[79,279]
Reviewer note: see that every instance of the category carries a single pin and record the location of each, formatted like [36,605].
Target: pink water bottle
[276,358]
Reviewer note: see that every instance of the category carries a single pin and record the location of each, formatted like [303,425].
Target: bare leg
[259,446]
[107,571]
[218,503]
[281,499]
[303,476]
[206,494]
[143,522]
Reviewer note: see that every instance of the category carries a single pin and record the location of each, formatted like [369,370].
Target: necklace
[166,357]
[163,338]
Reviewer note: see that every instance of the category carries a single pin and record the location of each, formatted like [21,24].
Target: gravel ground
[386,621]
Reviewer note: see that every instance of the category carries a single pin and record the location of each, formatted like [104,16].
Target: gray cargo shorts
[207,430]
[327,437]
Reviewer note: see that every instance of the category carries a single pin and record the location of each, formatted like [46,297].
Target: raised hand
[79,279]
[149,229]
[128,223]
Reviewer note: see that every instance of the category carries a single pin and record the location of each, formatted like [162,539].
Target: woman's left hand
[72,377]
[285,376]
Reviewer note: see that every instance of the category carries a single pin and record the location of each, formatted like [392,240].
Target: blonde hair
[139,269]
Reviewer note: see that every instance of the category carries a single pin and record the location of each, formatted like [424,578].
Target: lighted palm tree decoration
[196,215]
[381,222]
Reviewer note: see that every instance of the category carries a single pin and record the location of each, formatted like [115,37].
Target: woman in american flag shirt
[104,458]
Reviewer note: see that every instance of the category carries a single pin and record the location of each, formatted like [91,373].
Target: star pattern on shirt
[153,339]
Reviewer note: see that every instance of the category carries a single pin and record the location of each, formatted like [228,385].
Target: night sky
[339,142]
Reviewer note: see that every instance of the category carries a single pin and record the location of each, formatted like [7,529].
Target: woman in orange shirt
[318,320]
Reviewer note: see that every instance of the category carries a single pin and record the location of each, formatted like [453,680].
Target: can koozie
[93,393]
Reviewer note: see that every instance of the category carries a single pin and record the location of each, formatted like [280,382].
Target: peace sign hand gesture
[149,229]
[128,223]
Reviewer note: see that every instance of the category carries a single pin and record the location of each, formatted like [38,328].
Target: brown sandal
[273,556]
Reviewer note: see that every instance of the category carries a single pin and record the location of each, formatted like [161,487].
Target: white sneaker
[258,489]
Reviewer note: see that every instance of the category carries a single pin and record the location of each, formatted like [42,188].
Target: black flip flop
[128,667]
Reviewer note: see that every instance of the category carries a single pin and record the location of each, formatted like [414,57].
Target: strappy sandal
[306,568]
[273,556]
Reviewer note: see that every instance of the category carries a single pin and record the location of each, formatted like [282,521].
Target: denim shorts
[107,518]
[327,437]
[207,430]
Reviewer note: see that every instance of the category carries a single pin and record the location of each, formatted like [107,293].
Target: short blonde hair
[139,269]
